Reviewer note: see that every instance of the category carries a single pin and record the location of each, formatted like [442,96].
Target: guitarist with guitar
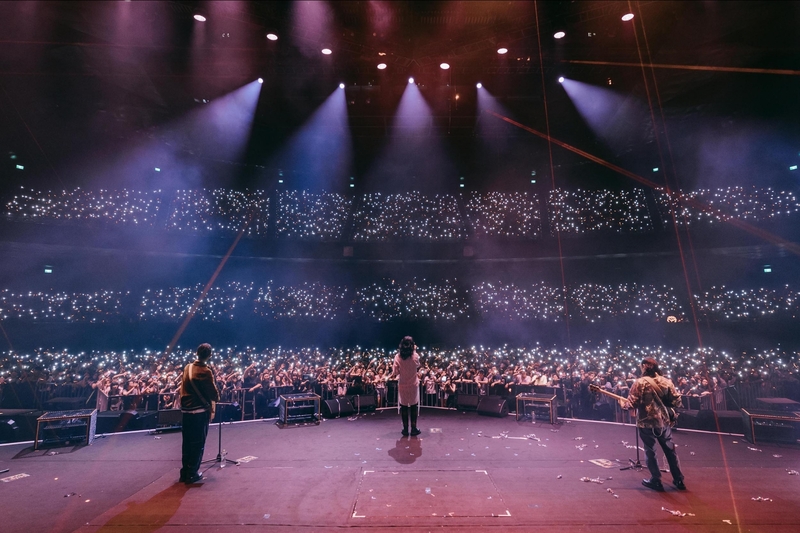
[655,399]
[198,399]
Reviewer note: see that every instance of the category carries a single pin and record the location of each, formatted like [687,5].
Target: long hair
[650,367]
[406,347]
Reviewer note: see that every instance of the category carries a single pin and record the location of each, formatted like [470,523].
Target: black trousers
[663,436]
[194,431]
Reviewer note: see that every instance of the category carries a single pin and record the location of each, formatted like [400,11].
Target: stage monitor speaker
[493,406]
[337,407]
[364,402]
[170,418]
[467,402]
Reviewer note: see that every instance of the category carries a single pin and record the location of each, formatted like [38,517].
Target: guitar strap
[206,404]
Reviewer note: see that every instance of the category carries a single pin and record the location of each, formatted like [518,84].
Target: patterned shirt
[642,397]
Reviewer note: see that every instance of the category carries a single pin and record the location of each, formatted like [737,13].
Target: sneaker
[197,478]
[405,433]
[679,485]
[654,484]
[415,432]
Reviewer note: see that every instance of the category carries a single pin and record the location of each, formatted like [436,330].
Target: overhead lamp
[199,18]
[381,66]
[561,79]
[627,16]
[272,36]
[326,51]
[559,35]
[410,80]
[479,85]
[502,50]
[341,85]
[444,66]
[260,80]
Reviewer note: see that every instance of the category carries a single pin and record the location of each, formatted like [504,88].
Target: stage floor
[464,473]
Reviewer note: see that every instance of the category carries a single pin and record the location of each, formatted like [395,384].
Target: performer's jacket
[203,379]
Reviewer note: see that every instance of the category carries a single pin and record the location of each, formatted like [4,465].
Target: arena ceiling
[80,76]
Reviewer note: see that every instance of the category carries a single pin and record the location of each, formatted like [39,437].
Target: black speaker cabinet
[337,407]
[169,418]
[364,402]
[468,402]
[493,406]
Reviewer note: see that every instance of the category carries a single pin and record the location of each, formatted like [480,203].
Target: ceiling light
[410,80]
[444,66]
[502,50]
[381,66]
[627,16]
[260,80]
[341,85]
[272,36]
[381,54]
[561,79]
[199,18]
[559,35]
[479,85]
[327,51]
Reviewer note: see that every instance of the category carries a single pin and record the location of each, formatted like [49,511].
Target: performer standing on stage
[653,395]
[198,397]
[405,368]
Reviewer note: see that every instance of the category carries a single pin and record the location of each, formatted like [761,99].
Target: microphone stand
[635,465]
[220,459]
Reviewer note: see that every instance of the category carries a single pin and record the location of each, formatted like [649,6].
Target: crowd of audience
[114,207]
[714,206]
[578,212]
[388,300]
[413,216]
[219,210]
[506,215]
[407,216]
[248,373]
[304,215]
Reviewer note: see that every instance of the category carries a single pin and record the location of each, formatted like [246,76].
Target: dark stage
[466,472]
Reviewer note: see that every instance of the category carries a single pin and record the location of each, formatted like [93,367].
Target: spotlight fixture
[326,51]
[341,85]
[199,18]
[627,16]
[410,80]
[381,66]
[479,85]
[260,80]
[559,35]
[502,50]
[272,36]
[561,79]
[444,66]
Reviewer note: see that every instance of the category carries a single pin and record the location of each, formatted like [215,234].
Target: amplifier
[771,426]
[296,408]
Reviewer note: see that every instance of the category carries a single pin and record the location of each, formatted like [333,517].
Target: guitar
[672,415]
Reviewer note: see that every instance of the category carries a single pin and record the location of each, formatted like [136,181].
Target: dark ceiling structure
[80,78]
